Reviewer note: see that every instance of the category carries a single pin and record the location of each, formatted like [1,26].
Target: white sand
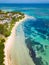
[16,52]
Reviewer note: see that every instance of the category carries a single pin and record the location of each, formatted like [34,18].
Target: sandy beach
[16,52]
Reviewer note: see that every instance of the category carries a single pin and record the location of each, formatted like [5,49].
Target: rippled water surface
[36,33]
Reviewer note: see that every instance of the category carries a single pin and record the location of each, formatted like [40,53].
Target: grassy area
[2,40]
[5,31]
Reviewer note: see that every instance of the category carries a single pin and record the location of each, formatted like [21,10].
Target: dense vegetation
[2,40]
[5,31]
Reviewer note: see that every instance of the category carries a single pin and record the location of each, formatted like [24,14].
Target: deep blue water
[36,32]
[25,5]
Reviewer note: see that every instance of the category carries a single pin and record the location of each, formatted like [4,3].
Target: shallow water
[36,33]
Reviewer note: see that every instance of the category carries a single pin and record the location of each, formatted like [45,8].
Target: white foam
[31,17]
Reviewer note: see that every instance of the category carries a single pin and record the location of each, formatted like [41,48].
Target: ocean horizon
[43,5]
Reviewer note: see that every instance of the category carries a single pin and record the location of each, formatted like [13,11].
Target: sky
[24,1]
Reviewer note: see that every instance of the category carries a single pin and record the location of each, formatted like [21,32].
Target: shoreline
[18,22]
[15,25]
[11,38]
[16,53]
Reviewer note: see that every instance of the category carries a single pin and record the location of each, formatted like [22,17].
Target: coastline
[13,49]
[18,22]
[10,39]
[15,25]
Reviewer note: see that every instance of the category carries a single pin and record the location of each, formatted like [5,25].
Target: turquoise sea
[36,31]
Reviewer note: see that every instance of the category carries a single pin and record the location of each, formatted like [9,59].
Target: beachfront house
[16,15]
[7,20]
[9,14]
[2,15]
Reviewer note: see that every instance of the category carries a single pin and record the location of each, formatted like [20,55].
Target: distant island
[7,21]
